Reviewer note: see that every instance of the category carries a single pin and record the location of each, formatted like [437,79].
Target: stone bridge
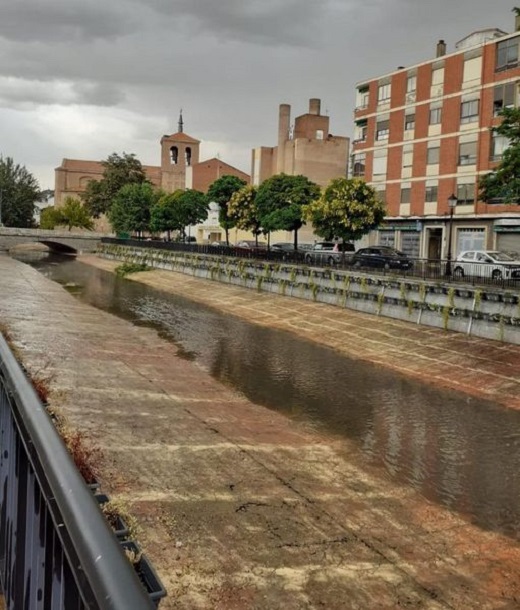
[57,241]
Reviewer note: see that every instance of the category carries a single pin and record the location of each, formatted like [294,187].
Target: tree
[347,209]
[19,190]
[71,214]
[193,207]
[280,200]
[130,209]
[220,192]
[503,184]
[119,170]
[163,216]
[244,211]
[178,210]
[50,218]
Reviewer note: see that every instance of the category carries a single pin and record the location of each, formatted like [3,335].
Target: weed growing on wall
[128,268]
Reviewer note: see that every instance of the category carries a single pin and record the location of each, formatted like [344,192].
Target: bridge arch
[55,246]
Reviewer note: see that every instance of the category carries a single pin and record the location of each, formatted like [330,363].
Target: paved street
[240,507]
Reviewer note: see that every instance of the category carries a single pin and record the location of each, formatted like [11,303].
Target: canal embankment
[474,365]
[241,507]
[489,311]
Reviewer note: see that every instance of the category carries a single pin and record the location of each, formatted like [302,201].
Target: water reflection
[458,451]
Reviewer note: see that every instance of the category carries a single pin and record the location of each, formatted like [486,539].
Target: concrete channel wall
[488,312]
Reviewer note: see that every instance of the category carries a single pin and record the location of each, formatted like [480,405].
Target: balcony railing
[56,548]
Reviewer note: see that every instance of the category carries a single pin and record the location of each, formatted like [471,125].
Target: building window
[469,111]
[411,84]
[498,146]
[431,192]
[466,194]
[382,130]
[408,155]
[432,155]
[409,121]
[361,131]
[503,97]
[468,153]
[381,194]
[383,93]
[507,54]
[387,238]
[362,98]
[405,193]
[319,134]
[380,163]
[435,116]
[358,165]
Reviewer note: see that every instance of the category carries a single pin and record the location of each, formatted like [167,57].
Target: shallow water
[456,450]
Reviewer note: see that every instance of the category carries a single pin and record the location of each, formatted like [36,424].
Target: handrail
[104,577]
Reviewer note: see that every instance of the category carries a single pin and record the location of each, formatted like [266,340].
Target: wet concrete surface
[240,507]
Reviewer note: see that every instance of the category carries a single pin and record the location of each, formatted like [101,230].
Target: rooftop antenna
[181,123]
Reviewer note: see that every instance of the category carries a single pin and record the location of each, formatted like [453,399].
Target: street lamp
[452,202]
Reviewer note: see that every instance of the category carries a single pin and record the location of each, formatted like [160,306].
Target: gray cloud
[64,20]
[113,75]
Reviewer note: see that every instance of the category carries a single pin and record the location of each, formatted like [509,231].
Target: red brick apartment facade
[423,133]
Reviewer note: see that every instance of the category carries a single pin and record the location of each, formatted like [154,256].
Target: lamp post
[452,202]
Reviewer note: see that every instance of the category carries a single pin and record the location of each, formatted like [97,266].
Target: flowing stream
[456,450]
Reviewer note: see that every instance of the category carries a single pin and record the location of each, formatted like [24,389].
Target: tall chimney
[284,121]
[314,106]
[441,48]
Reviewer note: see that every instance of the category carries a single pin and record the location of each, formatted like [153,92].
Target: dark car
[381,257]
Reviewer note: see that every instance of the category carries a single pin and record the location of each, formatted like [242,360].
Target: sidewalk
[241,508]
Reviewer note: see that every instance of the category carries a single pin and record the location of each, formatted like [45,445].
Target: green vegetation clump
[127,268]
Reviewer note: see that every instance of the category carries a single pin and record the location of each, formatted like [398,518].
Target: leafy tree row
[346,209]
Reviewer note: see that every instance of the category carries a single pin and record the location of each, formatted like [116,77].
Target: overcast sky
[85,78]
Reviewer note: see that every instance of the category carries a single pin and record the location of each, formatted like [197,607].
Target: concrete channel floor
[240,507]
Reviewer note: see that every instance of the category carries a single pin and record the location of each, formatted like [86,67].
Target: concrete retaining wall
[485,312]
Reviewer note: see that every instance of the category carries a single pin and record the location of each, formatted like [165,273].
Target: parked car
[284,246]
[286,252]
[486,263]
[251,244]
[328,252]
[381,257]
[220,244]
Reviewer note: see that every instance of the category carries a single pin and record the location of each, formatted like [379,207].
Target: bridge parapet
[71,241]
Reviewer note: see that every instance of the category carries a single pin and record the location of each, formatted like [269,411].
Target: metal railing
[57,551]
[437,270]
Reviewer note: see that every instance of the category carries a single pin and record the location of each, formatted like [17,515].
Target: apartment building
[422,136]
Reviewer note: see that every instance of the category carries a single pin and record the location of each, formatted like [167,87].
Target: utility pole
[1,195]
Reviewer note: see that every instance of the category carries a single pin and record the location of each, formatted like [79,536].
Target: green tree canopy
[178,210]
[19,190]
[50,218]
[220,192]
[347,209]
[130,209]
[243,209]
[163,215]
[71,214]
[280,200]
[503,184]
[119,170]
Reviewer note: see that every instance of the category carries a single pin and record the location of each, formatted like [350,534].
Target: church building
[180,169]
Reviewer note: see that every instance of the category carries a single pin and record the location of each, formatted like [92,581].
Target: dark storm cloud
[53,21]
[269,22]
[22,93]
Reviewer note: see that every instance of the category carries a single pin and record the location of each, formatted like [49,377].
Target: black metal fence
[438,270]
[57,551]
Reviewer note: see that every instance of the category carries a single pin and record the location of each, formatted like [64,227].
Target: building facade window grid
[507,54]
[468,153]
[469,111]
[466,193]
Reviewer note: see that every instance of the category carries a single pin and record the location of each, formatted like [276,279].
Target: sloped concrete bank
[491,313]
[240,507]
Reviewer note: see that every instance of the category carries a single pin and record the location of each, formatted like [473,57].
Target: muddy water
[457,451]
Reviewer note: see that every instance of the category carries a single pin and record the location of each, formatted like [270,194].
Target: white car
[486,263]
